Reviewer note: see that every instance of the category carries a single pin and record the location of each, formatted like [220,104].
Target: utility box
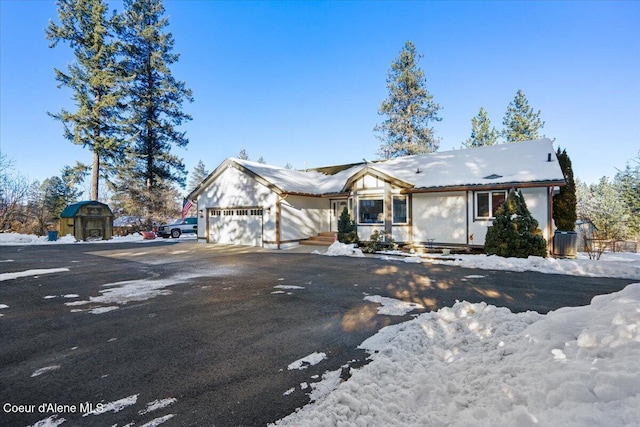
[87,220]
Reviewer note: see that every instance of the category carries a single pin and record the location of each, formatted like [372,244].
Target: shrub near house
[515,232]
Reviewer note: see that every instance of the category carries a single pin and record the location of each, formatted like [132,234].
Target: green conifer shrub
[564,203]
[515,232]
[379,241]
[347,228]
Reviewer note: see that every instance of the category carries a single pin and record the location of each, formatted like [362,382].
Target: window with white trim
[370,211]
[488,202]
[399,209]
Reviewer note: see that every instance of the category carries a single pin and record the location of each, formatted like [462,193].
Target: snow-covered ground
[30,239]
[465,365]
[480,365]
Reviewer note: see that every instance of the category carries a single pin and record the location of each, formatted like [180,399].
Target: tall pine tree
[95,79]
[481,131]
[521,122]
[155,96]
[197,176]
[409,109]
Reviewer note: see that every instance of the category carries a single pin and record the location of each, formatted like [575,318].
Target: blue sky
[301,82]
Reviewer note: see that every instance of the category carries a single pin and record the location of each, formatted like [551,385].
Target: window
[488,202]
[399,209]
[371,211]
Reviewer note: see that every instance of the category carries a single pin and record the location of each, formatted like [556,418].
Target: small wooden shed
[87,220]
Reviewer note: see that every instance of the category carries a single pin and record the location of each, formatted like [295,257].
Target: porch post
[388,207]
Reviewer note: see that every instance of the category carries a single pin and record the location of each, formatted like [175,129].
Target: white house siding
[537,202]
[303,217]
[401,233]
[439,216]
[233,189]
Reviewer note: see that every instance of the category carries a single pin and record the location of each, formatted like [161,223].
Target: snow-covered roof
[502,164]
[521,162]
[300,181]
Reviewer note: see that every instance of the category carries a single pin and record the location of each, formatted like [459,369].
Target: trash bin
[565,244]
[52,236]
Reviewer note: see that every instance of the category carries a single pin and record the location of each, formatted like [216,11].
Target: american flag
[186,205]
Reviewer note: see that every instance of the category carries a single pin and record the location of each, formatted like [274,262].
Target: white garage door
[236,226]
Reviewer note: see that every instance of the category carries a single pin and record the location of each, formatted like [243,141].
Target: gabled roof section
[372,170]
[310,182]
[282,180]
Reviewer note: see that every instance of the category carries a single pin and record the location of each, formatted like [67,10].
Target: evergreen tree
[132,198]
[95,79]
[197,176]
[288,166]
[481,131]
[71,178]
[515,232]
[602,205]
[242,155]
[521,122]
[261,160]
[155,96]
[627,182]
[46,202]
[347,228]
[564,203]
[409,109]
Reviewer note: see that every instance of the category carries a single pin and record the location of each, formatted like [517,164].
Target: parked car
[175,229]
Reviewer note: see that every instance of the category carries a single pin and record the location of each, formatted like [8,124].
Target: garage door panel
[237,226]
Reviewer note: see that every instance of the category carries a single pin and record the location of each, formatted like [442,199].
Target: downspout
[550,220]
[278,222]
[466,217]
[410,216]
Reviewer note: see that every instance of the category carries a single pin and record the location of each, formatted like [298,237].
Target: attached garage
[236,225]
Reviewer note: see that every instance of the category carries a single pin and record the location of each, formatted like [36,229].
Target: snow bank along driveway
[479,365]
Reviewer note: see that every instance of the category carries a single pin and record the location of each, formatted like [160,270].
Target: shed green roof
[73,209]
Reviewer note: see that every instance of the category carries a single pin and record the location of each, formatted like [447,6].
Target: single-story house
[444,198]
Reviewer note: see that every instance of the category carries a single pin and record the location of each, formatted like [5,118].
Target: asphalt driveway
[203,335]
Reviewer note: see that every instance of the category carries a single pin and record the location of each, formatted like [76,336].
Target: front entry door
[337,206]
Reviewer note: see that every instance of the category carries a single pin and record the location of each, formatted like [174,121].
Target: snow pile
[305,362]
[30,239]
[480,365]
[392,306]
[33,272]
[121,293]
[341,249]
[625,266]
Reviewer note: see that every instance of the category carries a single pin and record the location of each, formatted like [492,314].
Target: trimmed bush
[515,232]
[347,228]
[378,241]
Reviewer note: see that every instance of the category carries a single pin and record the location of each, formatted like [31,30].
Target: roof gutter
[476,187]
